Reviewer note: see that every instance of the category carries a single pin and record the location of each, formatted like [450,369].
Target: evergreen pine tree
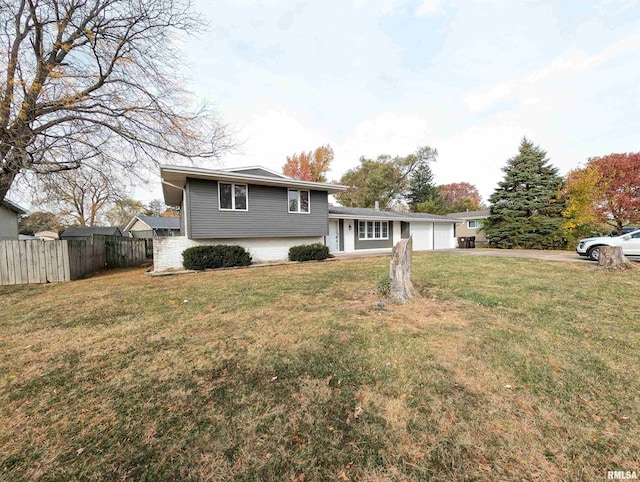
[526,210]
[421,187]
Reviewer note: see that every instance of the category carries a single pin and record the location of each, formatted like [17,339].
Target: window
[373,230]
[473,224]
[233,197]
[298,201]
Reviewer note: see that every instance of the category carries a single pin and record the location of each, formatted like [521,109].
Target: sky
[372,77]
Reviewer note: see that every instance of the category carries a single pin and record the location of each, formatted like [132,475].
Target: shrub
[218,256]
[383,285]
[308,252]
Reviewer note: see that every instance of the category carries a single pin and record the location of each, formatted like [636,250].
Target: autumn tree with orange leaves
[309,166]
[460,196]
[612,185]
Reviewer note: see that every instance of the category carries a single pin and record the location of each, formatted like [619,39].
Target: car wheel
[594,253]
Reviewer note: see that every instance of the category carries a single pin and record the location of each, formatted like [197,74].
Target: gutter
[392,218]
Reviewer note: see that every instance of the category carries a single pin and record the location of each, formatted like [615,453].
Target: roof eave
[133,221]
[13,207]
[198,173]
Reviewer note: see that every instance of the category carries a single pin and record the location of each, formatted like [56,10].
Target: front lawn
[505,369]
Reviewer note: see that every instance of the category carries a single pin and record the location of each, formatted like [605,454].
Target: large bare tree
[80,196]
[83,80]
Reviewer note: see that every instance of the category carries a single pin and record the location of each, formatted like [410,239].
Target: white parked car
[630,244]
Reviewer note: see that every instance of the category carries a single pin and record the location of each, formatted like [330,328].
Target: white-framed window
[473,224]
[299,201]
[373,230]
[233,197]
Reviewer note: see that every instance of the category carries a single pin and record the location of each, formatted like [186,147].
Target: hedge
[218,256]
[308,252]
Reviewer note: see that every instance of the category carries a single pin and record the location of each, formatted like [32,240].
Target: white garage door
[422,235]
[443,236]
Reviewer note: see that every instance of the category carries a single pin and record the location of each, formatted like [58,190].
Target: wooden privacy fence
[36,261]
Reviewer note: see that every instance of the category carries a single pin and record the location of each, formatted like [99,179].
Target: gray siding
[8,223]
[373,243]
[267,216]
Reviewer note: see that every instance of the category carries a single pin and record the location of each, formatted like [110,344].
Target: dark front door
[404,230]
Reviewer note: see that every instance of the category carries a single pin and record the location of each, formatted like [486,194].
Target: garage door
[443,236]
[422,235]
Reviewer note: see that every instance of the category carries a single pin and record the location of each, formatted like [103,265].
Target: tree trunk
[400,271]
[611,257]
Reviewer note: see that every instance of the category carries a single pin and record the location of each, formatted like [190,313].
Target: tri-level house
[267,213]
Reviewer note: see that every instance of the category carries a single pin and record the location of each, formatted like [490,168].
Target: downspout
[184,204]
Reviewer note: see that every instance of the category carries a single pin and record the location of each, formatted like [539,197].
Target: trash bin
[462,243]
[471,241]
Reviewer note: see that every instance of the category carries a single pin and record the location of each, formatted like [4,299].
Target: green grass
[504,369]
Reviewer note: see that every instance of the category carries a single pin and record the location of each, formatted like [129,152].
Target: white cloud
[390,133]
[573,63]
[428,7]
[479,101]
[476,155]
[271,134]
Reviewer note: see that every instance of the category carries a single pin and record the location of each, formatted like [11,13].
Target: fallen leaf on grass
[358,411]
[622,417]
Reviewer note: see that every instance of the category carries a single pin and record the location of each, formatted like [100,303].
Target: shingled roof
[381,214]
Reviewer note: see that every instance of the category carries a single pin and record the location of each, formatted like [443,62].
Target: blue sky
[387,76]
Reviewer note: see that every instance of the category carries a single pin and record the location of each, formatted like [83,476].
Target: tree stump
[400,272]
[611,257]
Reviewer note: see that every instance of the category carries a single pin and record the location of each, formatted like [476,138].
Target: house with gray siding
[267,213]
[359,229]
[254,207]
[9,216]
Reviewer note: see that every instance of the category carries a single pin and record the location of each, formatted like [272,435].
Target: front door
[333,240]
[404,230]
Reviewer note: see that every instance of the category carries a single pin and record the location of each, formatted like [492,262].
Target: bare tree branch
[89,79]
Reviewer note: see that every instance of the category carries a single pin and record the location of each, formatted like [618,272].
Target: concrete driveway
[547,255]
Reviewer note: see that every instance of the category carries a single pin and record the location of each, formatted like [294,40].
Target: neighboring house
[9,215]
[85,232]
[152,227]
[354,229]
[267,213]
[47,235]
[470,224]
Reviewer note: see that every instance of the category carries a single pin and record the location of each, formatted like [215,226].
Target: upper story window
[298,201]
[233,197]
[473,224]
[373,230]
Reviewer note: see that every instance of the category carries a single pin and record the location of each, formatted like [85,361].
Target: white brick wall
[167,252]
